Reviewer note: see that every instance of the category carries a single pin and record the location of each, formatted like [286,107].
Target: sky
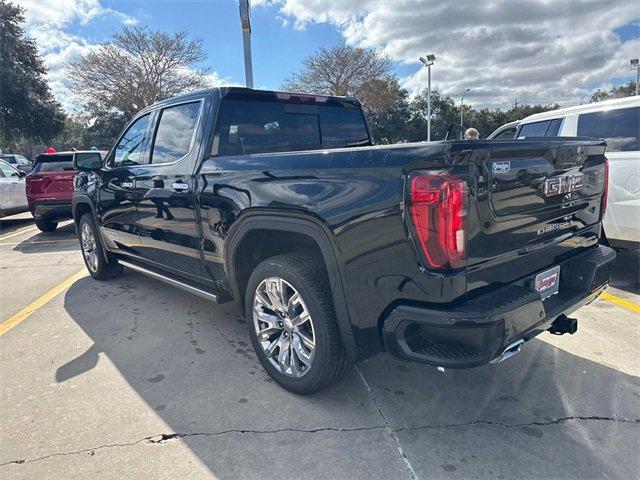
[538,51]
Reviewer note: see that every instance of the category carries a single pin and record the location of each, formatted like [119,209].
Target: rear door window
[508,134]
[619,128]
[53,163]
[175,132]
[546,128]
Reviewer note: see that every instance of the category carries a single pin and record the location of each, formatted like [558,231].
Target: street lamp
[427,62]
[245,21]
[633,65]
[462,94]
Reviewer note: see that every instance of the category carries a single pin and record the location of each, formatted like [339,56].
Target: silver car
[13,196]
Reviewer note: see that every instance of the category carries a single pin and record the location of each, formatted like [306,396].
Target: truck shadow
[191,361]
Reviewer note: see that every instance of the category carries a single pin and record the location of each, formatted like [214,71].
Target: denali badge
[562,184]
[552,227]
[500,167]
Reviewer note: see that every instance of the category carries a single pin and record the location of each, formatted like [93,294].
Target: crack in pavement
[166,437]
[387,425]
[553,421]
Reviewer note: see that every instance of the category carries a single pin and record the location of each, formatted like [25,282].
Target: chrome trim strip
[171,281]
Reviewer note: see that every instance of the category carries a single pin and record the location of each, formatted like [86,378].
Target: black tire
[103,268]
[46,225]
[330,361]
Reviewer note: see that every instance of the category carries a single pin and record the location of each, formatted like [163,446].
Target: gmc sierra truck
[450,253]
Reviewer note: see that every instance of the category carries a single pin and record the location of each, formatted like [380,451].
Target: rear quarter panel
[357,194]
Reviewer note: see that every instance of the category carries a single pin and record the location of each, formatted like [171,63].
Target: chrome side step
[171,281]
[509,352]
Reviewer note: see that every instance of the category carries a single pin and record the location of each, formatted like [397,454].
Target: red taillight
[438,208]
[605,192]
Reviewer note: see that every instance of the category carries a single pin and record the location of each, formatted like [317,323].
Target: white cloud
[47,22]
[537,51]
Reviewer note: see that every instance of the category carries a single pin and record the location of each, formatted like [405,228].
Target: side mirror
[87,162]
[22,173]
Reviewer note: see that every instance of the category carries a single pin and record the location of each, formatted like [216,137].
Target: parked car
[505,132]
[18,161]
[617,122]
[50,187]
[13,198]
[448,253]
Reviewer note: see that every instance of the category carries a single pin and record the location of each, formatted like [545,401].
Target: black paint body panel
[352,203]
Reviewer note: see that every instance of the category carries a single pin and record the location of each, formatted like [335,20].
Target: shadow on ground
[626,271]
[544,414]
[63,239]
[9,224]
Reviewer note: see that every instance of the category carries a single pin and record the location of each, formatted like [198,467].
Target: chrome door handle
[179,186]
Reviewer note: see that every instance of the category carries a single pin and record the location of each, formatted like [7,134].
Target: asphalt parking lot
[134,379]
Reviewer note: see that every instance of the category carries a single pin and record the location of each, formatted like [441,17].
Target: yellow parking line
[621,302]
[18,232]
[39,303]
[38,242]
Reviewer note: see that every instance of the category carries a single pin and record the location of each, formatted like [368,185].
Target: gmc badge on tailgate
[562,184]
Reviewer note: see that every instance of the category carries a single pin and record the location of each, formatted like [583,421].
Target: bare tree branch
[136,69]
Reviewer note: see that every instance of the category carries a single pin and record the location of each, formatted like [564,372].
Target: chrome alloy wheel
[284,327]
[89,247]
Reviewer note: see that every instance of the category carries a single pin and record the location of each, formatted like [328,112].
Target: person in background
[471,134]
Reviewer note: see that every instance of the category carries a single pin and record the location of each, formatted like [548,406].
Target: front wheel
[99,267]
[46,225]
[293,326]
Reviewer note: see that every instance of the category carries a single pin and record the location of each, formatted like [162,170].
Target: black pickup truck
[448,253]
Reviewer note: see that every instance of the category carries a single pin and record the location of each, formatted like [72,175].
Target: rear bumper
[51,210]
[478,331]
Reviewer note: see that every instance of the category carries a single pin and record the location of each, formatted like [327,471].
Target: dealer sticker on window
[547,283]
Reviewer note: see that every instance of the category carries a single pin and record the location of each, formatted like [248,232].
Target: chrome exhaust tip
[509,352]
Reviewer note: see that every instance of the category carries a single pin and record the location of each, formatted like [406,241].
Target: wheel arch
[316,233]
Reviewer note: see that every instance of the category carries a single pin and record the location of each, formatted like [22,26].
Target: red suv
[50,188]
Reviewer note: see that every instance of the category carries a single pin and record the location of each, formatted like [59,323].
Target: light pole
[462,94]
[245,21]
[427,62]
[633,65]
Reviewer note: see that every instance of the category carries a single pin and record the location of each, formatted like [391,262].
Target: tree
[27,107]
[136,69]
[347,71]
[619,91]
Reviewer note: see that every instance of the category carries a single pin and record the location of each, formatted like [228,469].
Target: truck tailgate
[537,201]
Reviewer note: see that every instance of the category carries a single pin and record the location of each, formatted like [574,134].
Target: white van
[618,122]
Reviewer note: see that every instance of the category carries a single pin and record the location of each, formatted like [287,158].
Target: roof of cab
[614,104]
[225,91]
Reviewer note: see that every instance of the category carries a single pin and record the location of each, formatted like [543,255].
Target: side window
[506,134]
[619,128]
[546,128]
[554,128]
[130,148]
[7,170]
[174,135]
[537,129]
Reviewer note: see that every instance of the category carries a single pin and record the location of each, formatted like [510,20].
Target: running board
[171,281]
